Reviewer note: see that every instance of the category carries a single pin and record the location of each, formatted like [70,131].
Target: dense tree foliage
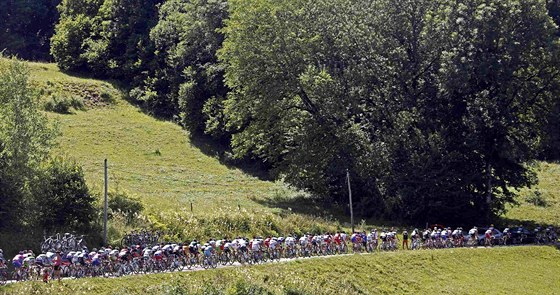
[108,38]
[186,74]
[62,199]
[434,107]
[551,139]
[26,27]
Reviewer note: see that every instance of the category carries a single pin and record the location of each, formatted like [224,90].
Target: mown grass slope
[541,204]
[151,158]
[512,270]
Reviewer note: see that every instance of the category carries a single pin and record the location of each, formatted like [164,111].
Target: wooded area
[435,107]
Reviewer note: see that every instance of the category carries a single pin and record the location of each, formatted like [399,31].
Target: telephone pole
[350,198]
[105,205]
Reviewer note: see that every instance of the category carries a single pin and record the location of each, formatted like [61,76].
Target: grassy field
[157,161]
[151,158]
[541,204]
[513,270]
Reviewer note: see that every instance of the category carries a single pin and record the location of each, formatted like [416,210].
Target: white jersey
[303,241]
[290,241]
[256,245]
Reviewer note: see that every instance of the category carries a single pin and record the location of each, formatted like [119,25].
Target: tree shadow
[305,205]
[504,222]
[222,152]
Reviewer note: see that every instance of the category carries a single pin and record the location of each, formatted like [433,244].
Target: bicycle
[209,262]
[4,276]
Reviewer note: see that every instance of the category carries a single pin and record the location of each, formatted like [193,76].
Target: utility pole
[105,205]
[350,197]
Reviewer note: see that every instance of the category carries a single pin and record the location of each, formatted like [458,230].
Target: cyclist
[57,265]
[364,239]
[28,260]
[194,249]
[208,250]
[290,245]
[392,238]
[383,237]
[344,239]
[273,247]
[444,236]
[488,237]
[17,262]
[415,236]
[338,241]
[303,241]
[43,262]
[506,236]
[473,233]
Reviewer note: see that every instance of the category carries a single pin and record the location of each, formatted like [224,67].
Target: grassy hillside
[156,161]
[541,204]
[455,271]
[151,158]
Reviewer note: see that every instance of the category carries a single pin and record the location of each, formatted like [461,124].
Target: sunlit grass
[147,157]
[549,190]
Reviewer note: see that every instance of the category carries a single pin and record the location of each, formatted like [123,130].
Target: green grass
[156,161]
[512,270]
[549,190]
[151,158]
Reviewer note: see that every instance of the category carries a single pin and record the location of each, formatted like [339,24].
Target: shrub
[106,95]
[62,104]
[127,205]
[62,198]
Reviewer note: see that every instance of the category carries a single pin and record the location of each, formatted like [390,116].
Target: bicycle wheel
[3,277]
[205,263]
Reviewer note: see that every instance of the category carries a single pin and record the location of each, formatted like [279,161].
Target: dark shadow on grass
[328,210]
[305,205]
[503,222]
[221,151]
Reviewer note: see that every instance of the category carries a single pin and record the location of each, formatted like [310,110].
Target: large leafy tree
[25,139]
[110,38]
[77,23]
[433,106]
